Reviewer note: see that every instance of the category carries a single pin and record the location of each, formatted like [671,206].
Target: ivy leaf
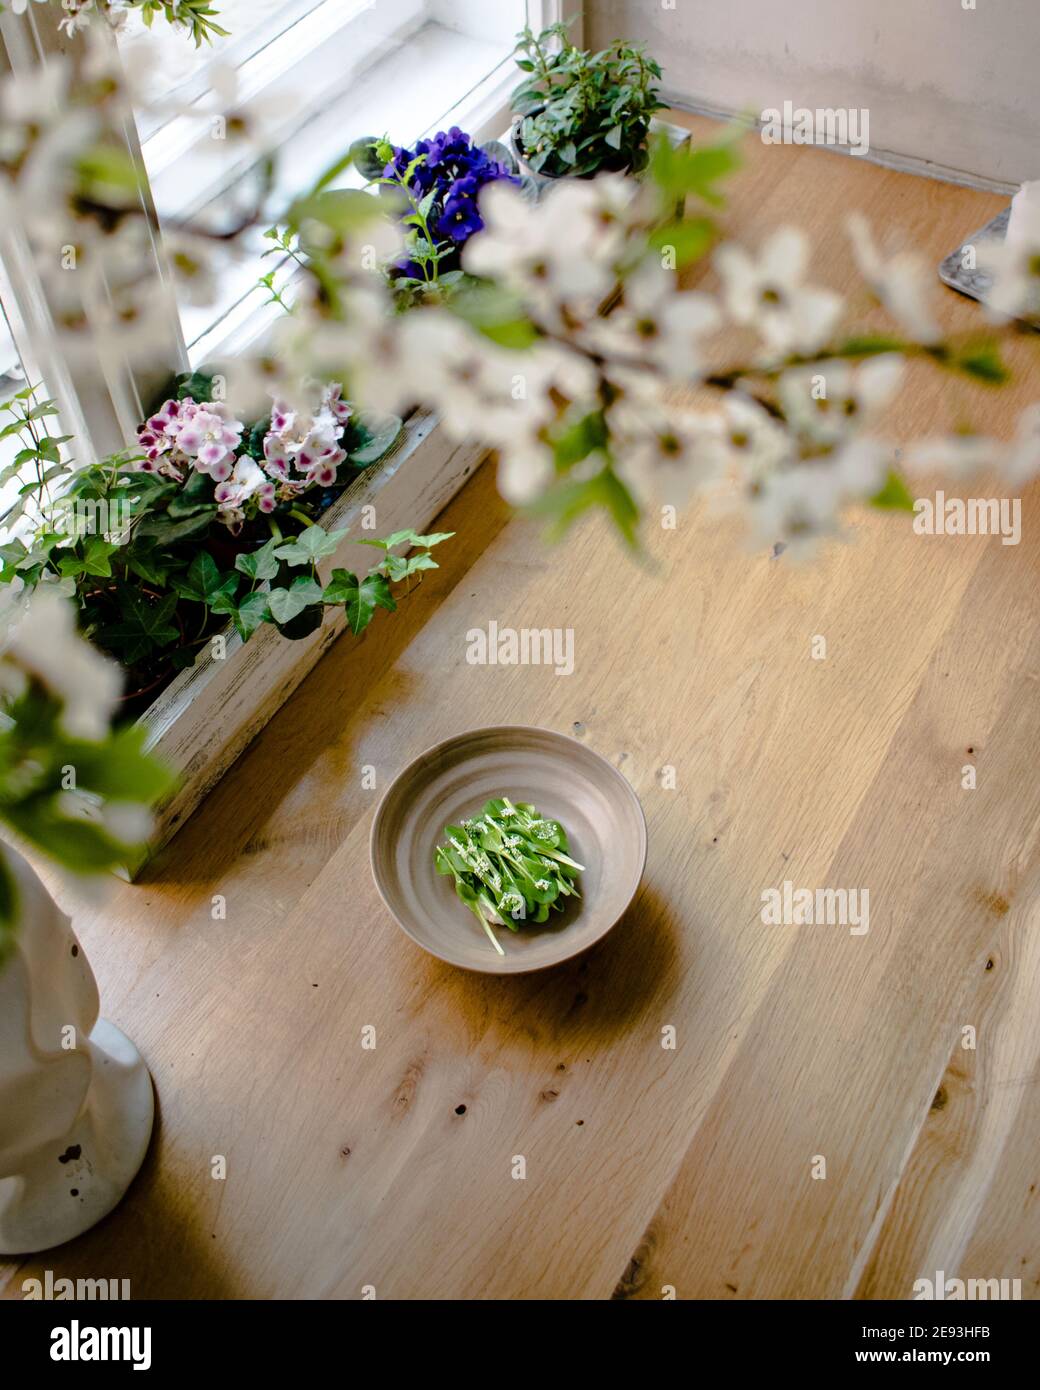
[310,546]
[259,564]
[150,566]
[11,554]
[95,560]
[204,582]
[197,385]
[145,627]
[286,604]
[398,567]
[251,612]
[224,600]
[359,599]
[411,537]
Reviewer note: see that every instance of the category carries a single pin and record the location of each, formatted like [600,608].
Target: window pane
[180,72]
[312,77]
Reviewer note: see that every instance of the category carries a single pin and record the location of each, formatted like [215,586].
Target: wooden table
[647,1168]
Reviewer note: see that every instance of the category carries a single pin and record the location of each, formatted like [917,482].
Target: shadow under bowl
[450,782]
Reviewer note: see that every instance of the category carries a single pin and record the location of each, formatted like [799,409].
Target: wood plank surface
[647,1169]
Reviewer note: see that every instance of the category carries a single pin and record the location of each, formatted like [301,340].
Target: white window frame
[101,413]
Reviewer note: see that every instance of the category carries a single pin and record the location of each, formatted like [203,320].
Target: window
[311,77]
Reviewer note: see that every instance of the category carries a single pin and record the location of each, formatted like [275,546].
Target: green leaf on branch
[681,169]
[870,346]
[687,240]
[118,770]
[895,495]
[497,313]
[982,361]
[580,439]
[565,503]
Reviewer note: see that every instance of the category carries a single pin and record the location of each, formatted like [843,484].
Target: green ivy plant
[581,112]
[282,585]
[152,572]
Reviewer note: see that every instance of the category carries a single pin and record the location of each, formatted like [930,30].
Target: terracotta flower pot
[76,1103]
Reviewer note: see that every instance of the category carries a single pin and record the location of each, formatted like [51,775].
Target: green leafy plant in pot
[580,113]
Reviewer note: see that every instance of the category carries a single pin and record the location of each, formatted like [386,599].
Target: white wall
[954,87]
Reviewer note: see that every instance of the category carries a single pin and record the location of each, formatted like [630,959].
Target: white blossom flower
[902,284]
[770,294]
[525,468]
[756,442]
[833,399]
[39,639]
[668,455]
[1021,460]
[559,251]
[802,503]
[658,323]
[958,454]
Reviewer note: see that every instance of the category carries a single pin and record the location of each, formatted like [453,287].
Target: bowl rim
[438,748]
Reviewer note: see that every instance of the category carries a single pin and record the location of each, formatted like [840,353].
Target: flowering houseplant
[212,521]
[437,185]
[265,466]
[581,113]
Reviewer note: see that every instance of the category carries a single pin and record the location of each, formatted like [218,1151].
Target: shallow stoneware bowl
[451,781]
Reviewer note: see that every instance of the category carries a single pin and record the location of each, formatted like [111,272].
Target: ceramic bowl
[450,782]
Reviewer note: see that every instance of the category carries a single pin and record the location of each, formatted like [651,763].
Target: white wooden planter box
[210,713]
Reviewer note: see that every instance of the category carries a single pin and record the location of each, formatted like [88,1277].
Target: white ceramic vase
[76,1103]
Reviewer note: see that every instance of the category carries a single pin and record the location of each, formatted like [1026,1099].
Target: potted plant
[435,187]
[211,522]
[580,113]
[76,1101]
